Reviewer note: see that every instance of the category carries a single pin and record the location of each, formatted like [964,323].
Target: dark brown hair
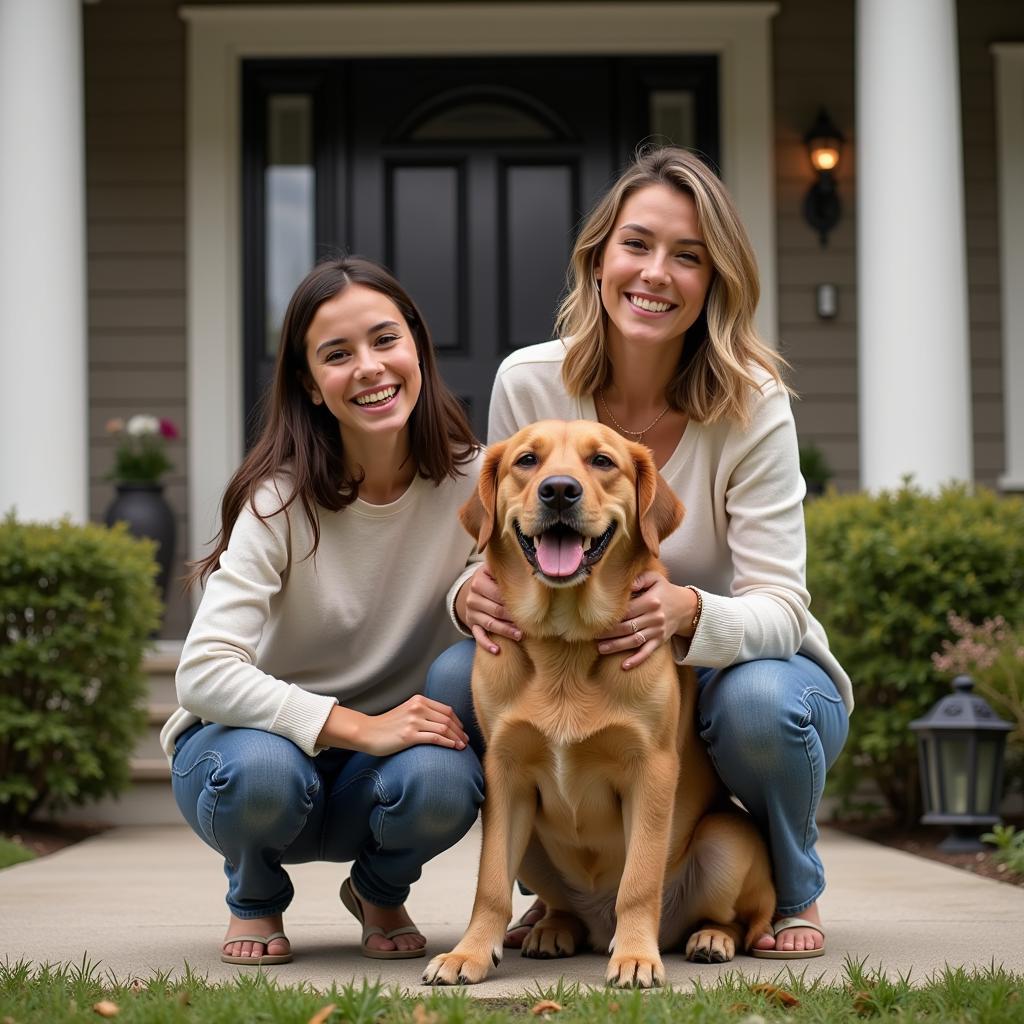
[301,440]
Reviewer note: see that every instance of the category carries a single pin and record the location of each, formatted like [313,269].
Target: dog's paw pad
[635,972]
[710,947]
[455,969]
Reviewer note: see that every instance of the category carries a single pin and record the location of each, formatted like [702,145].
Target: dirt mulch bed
[924,842]
[49,837]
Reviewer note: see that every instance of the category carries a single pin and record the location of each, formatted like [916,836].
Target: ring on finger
[633,626]
[490,623]
[640,639]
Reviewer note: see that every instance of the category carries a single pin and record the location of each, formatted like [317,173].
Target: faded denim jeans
[262,803]
[773,729]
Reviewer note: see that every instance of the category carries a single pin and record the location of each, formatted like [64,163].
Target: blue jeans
[773,728]
[261,803]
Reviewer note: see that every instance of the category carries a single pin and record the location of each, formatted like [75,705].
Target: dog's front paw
[626,971]
[554,935]
[710,946]
[459,968]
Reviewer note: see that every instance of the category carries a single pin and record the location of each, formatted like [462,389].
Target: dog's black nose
[560,492]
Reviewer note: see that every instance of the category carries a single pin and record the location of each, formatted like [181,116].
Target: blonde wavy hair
[721,351]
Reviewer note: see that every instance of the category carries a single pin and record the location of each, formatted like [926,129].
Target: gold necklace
[638,434]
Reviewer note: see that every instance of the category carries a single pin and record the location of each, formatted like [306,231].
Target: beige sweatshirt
[280,638]
[742,541]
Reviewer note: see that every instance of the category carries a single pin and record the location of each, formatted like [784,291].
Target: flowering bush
[141,455]
[993,655]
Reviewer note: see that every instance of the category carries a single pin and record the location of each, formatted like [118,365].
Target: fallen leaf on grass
[421,1015]
[546,1006]
[323,1014]
[105,1008]
[776,995]
[864,1004]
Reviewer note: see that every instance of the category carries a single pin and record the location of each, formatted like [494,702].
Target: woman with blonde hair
[656,339]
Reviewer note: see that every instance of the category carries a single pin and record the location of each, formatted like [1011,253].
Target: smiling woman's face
[654,270]
[362,361]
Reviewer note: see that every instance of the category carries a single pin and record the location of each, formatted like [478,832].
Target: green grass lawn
[13,853]
[84,993]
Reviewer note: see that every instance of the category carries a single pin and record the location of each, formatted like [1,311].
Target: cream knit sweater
[280,638]
[742,540]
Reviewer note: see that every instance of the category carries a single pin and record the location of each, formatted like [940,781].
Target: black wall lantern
[961,743]
[824,144]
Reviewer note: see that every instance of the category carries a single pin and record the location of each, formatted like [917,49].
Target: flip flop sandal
[790,954]
[521,922]
[256,961]
[353,906]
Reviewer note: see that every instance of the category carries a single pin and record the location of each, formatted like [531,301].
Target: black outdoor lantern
[824,143]
[961,742]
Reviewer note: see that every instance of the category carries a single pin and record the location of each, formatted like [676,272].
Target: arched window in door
[485,115]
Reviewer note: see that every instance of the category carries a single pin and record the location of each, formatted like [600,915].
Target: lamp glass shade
[985,797]
[954,764]
[824,154]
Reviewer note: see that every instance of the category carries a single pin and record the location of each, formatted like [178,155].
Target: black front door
[467,177]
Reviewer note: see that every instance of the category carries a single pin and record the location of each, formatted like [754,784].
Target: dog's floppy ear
[658,509]
[479,512]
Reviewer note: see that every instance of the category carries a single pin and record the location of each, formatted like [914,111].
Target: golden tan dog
[600,794]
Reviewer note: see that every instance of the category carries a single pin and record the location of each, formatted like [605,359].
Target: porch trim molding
[219,38]
[1009,85]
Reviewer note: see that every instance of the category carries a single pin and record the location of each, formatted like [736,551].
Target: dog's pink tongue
[559,554]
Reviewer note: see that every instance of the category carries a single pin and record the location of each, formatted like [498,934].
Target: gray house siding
[135,201]
[813,67]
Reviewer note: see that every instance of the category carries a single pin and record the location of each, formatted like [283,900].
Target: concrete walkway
[145,899]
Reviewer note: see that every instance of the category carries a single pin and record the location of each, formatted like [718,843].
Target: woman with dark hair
[312,724]
[656,339]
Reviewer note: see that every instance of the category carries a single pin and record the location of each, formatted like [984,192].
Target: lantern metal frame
[961,718]
[822,207]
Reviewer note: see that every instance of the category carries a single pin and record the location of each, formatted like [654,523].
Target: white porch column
[915,407]
[43,362]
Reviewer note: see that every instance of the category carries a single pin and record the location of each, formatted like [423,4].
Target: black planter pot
[145,510]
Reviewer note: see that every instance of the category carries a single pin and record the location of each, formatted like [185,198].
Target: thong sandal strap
[795,922]
[263,940]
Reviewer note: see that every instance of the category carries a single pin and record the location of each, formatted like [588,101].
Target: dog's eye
[527,459]
[602,461]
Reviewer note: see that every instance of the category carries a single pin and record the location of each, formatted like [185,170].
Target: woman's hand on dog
[478,604]
[417,720]
[656,612]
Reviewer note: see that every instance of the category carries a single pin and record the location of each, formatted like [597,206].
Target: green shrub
[1009,844]
[884,571]
[78,605]
[814,468]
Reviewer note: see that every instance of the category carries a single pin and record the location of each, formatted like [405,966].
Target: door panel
[426,243]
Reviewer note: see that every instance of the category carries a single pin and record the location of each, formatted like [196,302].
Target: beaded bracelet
[697,613]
